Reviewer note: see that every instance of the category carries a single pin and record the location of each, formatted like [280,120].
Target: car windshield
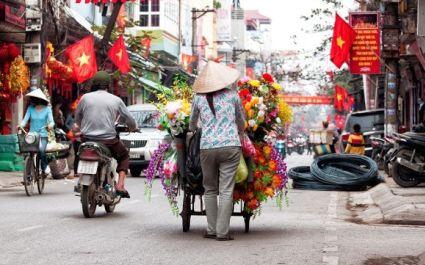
[146,119]
[366,121]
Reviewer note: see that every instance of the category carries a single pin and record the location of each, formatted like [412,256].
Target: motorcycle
[290,147]
[381,151]
[408,159]
[97,178]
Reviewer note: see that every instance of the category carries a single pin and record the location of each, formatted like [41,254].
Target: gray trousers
[219,168]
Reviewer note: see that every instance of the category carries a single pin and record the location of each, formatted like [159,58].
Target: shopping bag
[322,149]
[242,171]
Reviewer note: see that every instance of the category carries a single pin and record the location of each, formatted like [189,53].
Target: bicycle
[29,146]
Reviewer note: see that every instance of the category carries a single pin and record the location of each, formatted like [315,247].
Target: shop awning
[155,86]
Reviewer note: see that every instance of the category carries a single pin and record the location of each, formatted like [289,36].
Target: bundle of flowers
[265,111]
[175,116]
[261,103]
[164,163]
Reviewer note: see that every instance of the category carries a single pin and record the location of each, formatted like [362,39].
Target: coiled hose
[336,172]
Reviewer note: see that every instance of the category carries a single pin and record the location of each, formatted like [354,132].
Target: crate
[321,137]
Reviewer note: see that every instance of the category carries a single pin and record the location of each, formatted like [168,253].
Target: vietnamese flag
[342,40]
[83,58]
[340,98]
[119,56]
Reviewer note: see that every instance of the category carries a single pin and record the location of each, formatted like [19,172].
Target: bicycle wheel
[39,177]
[29,172]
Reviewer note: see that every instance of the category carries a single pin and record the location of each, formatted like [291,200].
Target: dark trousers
[118,151]
[76,146]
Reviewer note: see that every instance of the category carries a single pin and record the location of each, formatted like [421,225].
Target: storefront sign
[224,21]
[307,100]
[14,14]
[365,53]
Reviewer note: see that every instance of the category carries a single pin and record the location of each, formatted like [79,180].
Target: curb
[381,205]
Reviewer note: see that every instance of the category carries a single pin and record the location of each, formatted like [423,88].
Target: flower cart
[265,170]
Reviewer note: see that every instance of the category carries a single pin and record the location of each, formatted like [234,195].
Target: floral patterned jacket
[224,129]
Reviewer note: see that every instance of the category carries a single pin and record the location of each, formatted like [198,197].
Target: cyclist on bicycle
[39,115]
[96,115]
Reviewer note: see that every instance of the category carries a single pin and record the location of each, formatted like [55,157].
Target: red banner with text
[365,52]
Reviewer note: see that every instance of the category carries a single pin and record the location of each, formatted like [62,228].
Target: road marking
[331,260]
[30,228]
[133,201]
[331,249]
[331,238]
[330,227]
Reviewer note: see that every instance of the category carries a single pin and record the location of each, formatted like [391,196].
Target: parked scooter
[289,147]
[408,159]
[381,149]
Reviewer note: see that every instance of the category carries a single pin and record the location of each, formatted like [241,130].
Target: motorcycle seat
[414,138]
[99,146]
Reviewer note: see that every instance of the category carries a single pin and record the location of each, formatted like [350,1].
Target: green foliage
[216,4]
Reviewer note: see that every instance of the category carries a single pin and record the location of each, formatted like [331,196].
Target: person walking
[40,117]
[356,142]
[218,110]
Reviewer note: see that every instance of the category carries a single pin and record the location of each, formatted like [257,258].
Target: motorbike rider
[96,115]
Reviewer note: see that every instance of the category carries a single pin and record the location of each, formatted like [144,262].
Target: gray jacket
[97,113]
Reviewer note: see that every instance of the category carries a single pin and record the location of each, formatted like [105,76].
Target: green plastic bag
[242,171]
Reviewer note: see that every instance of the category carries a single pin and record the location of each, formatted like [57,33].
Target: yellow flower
[277,86]
[285,111]
[254,83]
[186,107]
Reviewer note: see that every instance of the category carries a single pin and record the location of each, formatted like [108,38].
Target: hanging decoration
[19,77]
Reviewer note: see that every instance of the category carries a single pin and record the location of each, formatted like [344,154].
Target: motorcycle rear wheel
[402,175]
[88,202]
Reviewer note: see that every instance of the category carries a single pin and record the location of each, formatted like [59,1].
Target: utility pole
[197,14]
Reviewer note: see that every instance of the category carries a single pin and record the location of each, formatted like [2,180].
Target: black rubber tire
[345,170]
[300,173]
[316,185]
[399,172]
[247,220]
[110,208]
[87,201]
[185,214]
[135,172]
[29,173]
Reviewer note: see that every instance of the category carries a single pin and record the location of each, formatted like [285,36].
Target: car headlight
[30,138]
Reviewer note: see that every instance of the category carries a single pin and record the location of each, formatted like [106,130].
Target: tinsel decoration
[19,80]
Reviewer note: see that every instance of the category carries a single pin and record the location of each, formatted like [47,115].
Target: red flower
[268,78]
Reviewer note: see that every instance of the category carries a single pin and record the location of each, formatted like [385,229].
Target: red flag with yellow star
[119,56]
[342,40]
[340,98]
[83,58]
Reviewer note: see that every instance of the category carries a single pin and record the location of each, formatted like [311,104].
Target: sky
[285,15]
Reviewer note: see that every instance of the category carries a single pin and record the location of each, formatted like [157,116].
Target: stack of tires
[10,160]
[336,172]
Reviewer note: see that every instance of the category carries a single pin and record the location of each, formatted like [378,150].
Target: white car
[142,144]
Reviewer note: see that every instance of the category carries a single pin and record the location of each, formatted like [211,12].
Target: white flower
[260,101]
[173,107]
[261,113]
[262,107]
[251,123]
[278,120]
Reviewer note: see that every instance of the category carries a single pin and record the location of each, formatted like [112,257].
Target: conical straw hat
[38,93]
[215,77]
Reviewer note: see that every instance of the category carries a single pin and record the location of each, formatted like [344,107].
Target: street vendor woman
[218,109]
[40,117]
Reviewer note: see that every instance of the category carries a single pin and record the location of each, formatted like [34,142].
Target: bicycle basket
[29,142]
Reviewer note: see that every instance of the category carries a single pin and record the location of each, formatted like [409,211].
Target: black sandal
[225,238]
[209,236]
[122,193]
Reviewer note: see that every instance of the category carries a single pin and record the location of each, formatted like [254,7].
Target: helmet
[101,80]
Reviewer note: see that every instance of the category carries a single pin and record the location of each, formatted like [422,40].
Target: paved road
[50,229]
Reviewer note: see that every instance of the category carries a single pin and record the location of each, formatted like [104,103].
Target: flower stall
[266,113]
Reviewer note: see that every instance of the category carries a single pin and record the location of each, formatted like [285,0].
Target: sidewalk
[10,179]
[389,203]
